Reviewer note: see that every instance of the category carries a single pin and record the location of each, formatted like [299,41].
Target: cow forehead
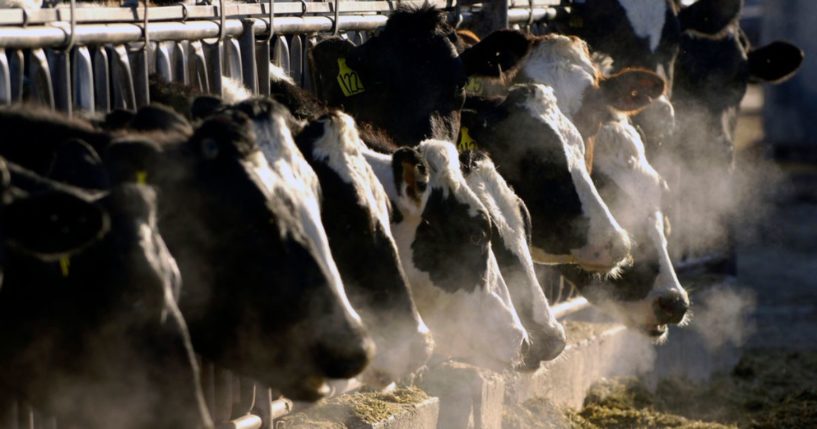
[564,64]
[542,105]
[647,18]
[342,149]
[445,173]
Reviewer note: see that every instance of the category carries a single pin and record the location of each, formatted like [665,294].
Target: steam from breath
[723,316]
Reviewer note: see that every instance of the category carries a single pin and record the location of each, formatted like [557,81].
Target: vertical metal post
[17,71]
[296,59]
[198,67]
[124,96]
[102,83]
[232,60]
[41,88]
[5,79]
[164,63]
[248,63]
[62,81]
[281,53]
[181,64]
[83,78]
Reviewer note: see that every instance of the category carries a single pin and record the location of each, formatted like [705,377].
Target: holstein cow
[91,331]
[409,80]
[264,296]
[542,156]
[355,215]
[444,235]
[511,237]
[646,296]
[295,326]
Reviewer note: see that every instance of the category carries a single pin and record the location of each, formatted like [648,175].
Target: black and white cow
[647,295]
[356,215]
[91,331]
[511,236]
[542,156]
[444,236]
[264,296]
[409,80]
[304,330]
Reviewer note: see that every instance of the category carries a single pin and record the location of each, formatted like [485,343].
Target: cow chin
[308,389]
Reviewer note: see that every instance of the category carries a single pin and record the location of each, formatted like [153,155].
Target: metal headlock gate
[96,59]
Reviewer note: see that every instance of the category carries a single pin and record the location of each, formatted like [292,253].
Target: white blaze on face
[282,170]
[646,18]
[620,156]
[342,149]
[480,326]
[503,205]
[564,64]
[603,226]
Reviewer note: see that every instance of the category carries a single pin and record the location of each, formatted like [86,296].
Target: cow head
[584,94]
[444,240]
[409,79]
[542,156]
[646,295]
[246,230]
[90,297]
[356,216]
[511,232]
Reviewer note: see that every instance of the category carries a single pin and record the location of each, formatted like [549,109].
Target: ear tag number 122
[348,79]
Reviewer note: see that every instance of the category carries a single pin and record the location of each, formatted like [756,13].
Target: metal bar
[296,59]
[140,72]
[124,96]
[248,63]
[17,71]
[181,64]
[43,36]
[214,64]
[281,53]
[40,83]
[5,79]
[164,63]
[197,68]
[61,78]
[11,17]
[262,58]
[232,60]
[102,83]
[83,79]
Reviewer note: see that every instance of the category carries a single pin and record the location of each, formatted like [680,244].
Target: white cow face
[511,226]
[647,295]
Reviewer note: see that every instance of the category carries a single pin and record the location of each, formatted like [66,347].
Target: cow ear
[499,52]
[324,58]
[204,106]
[631,90]
[709,16]
[774,62]
[76,163]
[53,224]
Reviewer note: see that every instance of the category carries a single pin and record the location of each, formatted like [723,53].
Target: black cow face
[239,238]
[355,212]
[712,75]
[542,156]
[409,79]
[88,311]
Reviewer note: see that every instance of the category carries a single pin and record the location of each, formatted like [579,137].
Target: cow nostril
[343,361]
[671,308]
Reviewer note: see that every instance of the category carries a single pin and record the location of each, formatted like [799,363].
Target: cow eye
[209,148]
[631,162]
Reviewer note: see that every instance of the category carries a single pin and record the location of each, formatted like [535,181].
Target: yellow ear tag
[474,86]
[348,79]
[466,142]
[141,177]
[65,265]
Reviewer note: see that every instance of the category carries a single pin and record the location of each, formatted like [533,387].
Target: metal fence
[95,59]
